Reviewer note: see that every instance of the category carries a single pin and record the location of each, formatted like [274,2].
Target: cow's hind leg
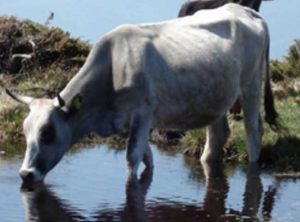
[138,148]
[252,120]
[216,136]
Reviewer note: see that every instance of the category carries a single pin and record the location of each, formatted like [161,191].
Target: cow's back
[188,67]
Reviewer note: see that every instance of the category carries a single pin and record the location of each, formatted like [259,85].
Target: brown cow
[189,8]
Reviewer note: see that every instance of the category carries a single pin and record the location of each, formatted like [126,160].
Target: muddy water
[91,185]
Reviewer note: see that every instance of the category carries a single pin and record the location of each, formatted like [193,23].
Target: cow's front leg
[148,158]
[138,148]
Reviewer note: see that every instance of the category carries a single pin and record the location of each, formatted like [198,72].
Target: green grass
[41,82]
[279,150]
[11,130]
[193,142]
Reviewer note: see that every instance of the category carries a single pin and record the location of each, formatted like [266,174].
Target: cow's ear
[60,101]
[69,108]
[75,105]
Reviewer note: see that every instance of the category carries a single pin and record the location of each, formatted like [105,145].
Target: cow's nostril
[27,175]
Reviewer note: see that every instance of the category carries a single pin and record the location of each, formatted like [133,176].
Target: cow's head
[48,134]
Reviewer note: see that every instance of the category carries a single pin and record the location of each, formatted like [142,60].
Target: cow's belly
[189,122]
[194,103]
[196,112]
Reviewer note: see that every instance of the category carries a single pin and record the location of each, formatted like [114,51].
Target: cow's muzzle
[30,176]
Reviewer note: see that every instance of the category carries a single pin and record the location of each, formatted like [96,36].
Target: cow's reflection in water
[136,191]
[134,209]
[42,204]
[216,191]
[253,192]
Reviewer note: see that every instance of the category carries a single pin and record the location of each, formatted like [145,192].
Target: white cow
[182,74]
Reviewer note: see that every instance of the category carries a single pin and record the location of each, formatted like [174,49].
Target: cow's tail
[271,115]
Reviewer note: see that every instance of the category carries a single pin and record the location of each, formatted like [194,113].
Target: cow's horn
[21,99]
[61,102]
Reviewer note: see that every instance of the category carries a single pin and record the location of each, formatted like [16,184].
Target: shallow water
[90,185]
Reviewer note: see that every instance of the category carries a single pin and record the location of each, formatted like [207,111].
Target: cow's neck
[94,120]
[93,83]
[94,79]
[81,125]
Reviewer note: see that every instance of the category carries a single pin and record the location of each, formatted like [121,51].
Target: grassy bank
[36,60]
[280,150]
[39,61]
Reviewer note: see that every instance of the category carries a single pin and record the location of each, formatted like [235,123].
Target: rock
[296,86]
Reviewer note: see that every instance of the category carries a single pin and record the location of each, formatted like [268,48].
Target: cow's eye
[47,134]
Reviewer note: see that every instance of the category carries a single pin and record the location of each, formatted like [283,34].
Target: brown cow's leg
[236,108]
